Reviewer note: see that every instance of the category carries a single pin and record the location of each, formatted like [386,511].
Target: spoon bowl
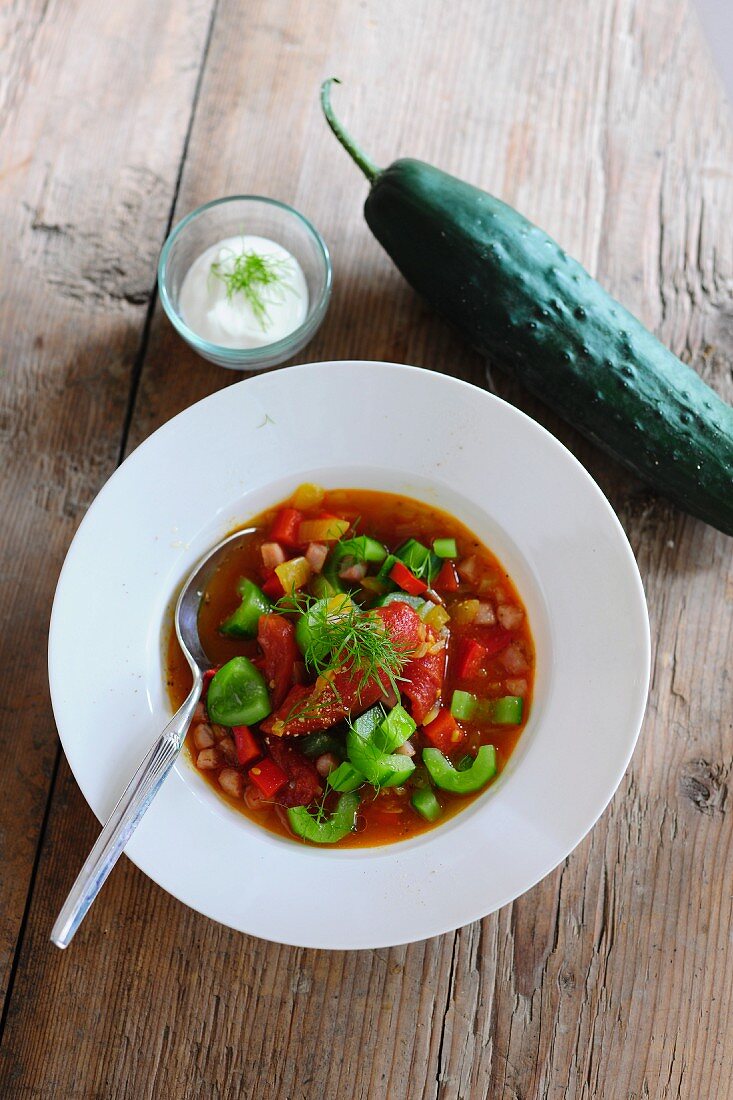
[158,761]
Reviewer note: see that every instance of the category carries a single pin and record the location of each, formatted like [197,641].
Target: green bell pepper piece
[243,622]
[315,744]
[419,560]
[447,778]
[380,769]
[463,705]
[238,694]
[426,804]
[507,711]
[324,609]
[394,730]
[327,830]
[386,567]
[360,548]
[345,778]
[445,548]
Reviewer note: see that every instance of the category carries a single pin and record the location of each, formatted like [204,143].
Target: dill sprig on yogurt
[261,280]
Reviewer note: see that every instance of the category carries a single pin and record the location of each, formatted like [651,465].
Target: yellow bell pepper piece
[322,530]
[437,618]
[465,612]
[307,496]
[293,574]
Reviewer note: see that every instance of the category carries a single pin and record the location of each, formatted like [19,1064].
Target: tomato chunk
[494,638]
[308,709]
[403,624]
[444,732]
[303,781]
[285,527]
[423,679]
[469,659]
[276,637]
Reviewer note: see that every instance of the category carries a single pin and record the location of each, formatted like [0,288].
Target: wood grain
[612,978]
[88,170]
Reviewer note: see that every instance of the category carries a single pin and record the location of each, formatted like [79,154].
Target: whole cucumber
[513,292]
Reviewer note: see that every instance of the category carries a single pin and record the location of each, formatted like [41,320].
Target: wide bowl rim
[612,779]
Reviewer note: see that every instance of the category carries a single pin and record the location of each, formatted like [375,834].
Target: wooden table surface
[600,120]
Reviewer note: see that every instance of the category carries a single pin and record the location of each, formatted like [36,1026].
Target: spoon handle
[123,820]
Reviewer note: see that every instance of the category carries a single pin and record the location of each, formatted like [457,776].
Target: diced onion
[516,687]
[203,736]
[208,759]
[513,659]
[326,763]
[355,572]
[232,782]
[509,615]
[272,554]
[254,798]
[469,569]
[316,555]
[228,749]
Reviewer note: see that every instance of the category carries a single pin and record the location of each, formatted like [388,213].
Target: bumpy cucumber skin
[533,310]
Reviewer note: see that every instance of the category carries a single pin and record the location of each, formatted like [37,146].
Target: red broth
[508,669]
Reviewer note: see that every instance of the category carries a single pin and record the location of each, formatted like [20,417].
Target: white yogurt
[215,308]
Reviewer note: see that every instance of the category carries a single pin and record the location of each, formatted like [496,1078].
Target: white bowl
[368,425]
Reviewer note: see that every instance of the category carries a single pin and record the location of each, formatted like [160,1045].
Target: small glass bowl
[229,217]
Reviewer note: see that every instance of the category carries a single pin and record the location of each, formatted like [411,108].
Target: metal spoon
[148,778]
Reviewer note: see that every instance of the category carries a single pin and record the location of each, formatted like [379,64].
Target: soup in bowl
[372,669]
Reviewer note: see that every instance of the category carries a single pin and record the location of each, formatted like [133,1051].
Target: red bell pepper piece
[406,580]
[470,657]
[272,587]
[246,745]
[444,732]
[285,527]
[268,777]
[447,579]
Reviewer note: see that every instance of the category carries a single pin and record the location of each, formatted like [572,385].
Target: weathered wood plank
[612,977]
[95,105]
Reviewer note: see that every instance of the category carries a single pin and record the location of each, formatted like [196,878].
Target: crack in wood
[704,785]
[440,1067]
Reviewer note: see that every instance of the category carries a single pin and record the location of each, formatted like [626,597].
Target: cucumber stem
[367,166]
